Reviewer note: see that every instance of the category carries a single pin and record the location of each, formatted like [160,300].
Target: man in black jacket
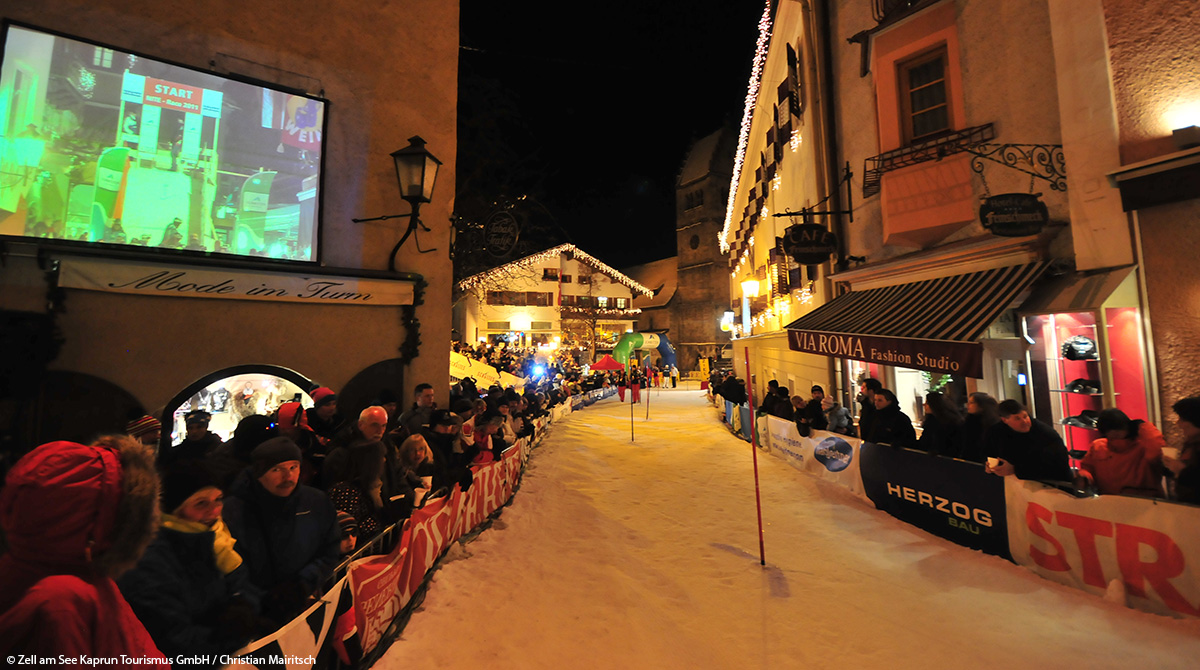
[1024,447]
[889,425]
[867,389]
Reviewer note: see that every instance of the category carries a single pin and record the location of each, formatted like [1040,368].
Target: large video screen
[113,148]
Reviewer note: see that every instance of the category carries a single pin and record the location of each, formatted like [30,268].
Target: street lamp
[416,172]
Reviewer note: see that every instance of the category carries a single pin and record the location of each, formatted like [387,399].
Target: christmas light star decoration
[796,140]
[760,59]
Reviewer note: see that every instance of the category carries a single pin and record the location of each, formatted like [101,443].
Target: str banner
[952,499]
[1150,545]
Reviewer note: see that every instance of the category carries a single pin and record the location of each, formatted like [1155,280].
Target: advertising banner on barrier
[484,497]
[952,499]
[1151,545]
[830,456]
[294,646]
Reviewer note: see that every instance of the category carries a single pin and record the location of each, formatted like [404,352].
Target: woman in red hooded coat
[75,517]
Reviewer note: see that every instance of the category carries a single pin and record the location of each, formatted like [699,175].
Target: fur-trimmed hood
[74,508]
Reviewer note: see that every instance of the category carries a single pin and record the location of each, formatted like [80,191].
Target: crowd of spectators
[1126,459]
[251,529]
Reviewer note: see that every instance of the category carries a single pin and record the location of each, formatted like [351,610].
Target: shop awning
[929,325]
[1084,291]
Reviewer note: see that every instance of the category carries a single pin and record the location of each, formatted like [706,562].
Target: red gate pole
[762,556]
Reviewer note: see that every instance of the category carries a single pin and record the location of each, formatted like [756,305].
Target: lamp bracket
[385,218]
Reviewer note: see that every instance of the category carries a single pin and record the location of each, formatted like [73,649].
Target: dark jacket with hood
[190,449]
[892,427]
[75,517]
[189,606]
[290,544]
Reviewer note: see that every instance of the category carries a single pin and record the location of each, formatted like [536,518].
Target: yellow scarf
[227,559]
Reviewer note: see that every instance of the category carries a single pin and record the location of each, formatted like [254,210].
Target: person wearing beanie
[198,442]
[76,517]
[145,429]
[349,528]
[323,417]
[286,532]
[191,588]
[227,461]
[358,488]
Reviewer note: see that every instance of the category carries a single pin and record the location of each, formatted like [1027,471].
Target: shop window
[549,274]
[924,105]
[233,394]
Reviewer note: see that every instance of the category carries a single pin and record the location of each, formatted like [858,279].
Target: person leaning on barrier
[357,488]
[1185,469]
[286,532]
[983,412]
[770,399]
[782,405]
[191,588]
[1025,447]
[889,425]
[1127,460]
[867,389]
[941,427]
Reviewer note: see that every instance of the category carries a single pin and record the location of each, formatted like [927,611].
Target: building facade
[83,354]
[559,297]
[954,206]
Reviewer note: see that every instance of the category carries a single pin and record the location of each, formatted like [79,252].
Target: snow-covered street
[645,555]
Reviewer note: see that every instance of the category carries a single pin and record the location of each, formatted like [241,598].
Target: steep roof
[541,256]
[713,153]
[662,276]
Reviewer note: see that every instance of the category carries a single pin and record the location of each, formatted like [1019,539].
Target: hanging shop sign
[500,234]
[230,284]
[950,358]
[809,243]
[1014,214]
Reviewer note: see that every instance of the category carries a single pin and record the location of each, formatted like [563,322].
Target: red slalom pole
[762,556]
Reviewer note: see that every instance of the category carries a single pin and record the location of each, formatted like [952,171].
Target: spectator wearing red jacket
[1127,460]
[75,518]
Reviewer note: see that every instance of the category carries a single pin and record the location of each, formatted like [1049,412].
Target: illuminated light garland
[778,180]
[796,140]
[514,268]
[760,59]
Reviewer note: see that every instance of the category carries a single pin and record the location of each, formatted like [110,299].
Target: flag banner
[830,456]
[295,646]
[1149,545]
[952,499]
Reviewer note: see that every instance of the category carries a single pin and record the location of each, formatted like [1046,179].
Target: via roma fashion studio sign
[230,284]
[951,358]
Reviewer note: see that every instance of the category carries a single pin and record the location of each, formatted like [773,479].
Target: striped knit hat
[143,426]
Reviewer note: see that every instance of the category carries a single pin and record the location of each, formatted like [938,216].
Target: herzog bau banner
[952,499]
[1150,545]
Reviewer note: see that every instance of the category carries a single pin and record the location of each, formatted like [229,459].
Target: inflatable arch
[631,341]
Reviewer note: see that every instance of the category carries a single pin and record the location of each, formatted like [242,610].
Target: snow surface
[645,555]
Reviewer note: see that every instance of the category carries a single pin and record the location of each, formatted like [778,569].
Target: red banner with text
[1151,546]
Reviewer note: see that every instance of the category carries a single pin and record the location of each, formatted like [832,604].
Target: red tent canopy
[607,362]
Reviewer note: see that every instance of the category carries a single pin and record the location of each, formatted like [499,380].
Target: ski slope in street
[619,554]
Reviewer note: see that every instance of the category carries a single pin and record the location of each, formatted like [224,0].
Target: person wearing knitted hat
[227,461]
[145,429]
[191,588]
[75,517]
[323,417]
[349,528]
[286,532]
[197,443]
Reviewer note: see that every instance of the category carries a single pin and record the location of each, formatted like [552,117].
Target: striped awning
[927,325]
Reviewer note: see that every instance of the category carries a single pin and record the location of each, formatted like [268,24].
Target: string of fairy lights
[519,269]
[760,60]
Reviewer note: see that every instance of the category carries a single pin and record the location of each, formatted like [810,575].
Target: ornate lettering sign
[809,243]
[500,234]
[951,358]
[1014,214]
[190,282]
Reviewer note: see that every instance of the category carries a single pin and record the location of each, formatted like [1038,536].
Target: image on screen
[112,148]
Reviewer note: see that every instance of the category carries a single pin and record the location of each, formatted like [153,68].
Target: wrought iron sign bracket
[1039,161]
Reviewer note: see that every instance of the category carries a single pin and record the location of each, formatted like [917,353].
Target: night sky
[591,116]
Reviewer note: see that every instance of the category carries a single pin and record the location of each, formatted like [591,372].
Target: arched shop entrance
[232,394]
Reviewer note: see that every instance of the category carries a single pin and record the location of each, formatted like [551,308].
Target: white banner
[830,456]
[460,366]
[191,282]
[484,374]
[1151,546]
[296,645]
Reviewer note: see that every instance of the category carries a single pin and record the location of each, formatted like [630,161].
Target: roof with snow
[541,256]
[662,276]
